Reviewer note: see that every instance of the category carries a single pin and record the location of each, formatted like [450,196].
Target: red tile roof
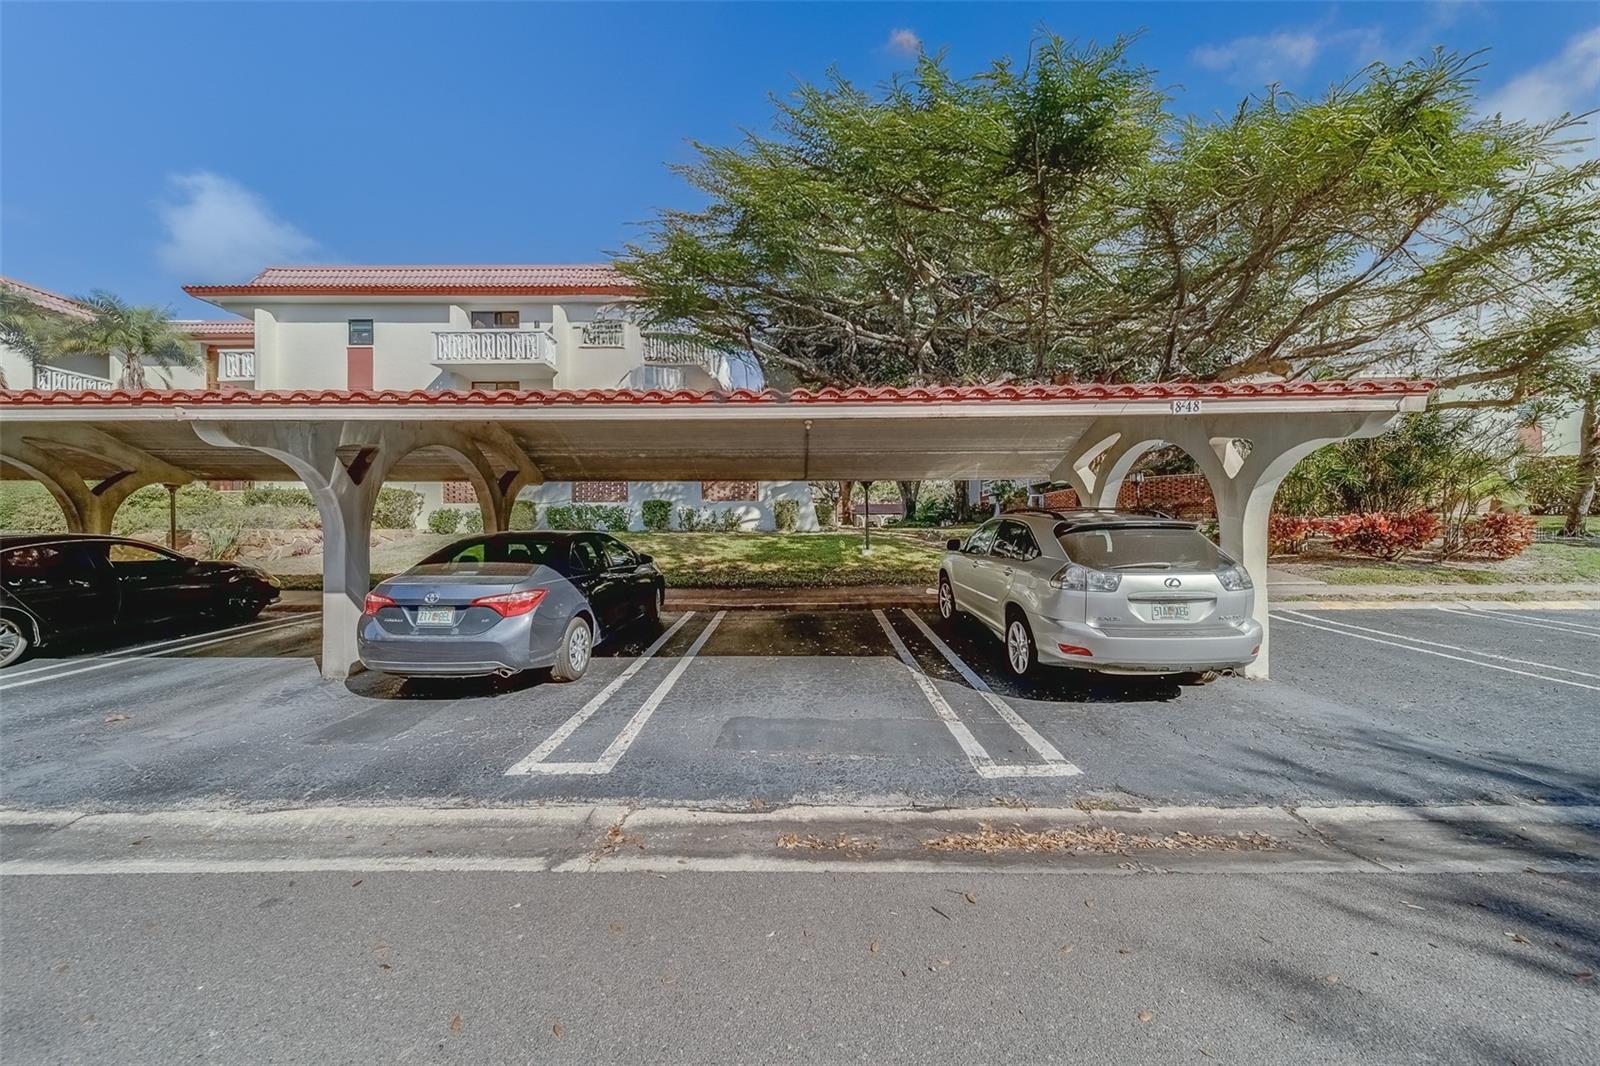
[1066,394]
[45,299]
[504,280]
[228,329]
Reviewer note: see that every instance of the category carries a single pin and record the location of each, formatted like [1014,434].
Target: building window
[496,386]
[599,492]
[728,491]
[497,320]
[361,333]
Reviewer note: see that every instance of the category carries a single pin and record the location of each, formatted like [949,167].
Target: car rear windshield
[1135,548]
[525,551]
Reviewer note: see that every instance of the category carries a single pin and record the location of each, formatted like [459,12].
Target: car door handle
[1007,571]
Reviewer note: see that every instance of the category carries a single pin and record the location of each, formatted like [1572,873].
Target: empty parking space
[771,706]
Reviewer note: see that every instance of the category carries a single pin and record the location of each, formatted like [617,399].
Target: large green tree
[1051,221]
[142,336]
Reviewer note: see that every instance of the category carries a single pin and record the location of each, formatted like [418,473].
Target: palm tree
[141,335]
[22,328]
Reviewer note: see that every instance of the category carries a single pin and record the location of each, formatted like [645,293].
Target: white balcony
[515,351]
[672,349]
[236,364]
[51,378]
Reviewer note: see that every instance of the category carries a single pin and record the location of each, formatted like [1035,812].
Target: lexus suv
[1114,591]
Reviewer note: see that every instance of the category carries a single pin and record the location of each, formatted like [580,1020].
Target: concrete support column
[1101,458]
[88,508]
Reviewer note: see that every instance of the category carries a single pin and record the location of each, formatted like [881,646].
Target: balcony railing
[668,349]
[495,346]
[50,378]
[667,378]
[603,334]
[238,364]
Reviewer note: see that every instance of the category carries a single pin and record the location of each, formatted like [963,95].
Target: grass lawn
[1541,563]
[768,560]
[1553,522]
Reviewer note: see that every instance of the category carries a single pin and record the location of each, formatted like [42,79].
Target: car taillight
[376,601]
[511,604]
[1234,578]
[1075,649]
[1077,578]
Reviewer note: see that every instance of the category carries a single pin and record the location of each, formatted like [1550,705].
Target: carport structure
[92,449]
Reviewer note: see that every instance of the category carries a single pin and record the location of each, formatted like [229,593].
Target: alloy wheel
[1017,647]
[13,642]
[578,649]
[947,601]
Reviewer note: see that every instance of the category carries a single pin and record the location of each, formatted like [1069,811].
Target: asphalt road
[1395,706]
[700,968]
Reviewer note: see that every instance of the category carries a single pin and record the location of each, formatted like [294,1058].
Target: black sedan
[65,586]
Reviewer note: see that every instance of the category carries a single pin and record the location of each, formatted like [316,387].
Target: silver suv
[1103,590]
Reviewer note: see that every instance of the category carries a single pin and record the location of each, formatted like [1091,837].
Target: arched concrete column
[1244,485]
[344,465]
[89,508]
[59,479]
[1099,461]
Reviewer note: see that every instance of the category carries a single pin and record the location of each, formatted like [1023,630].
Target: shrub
[471,521]
[524,515]
[730,521]
[612,518]
[1496,535]
[786,515]
[1549,483]
[656,515]
[1287,534]
[277,496]
[689,520]
[1384,534]
[221,542]
[397,508]
[28,507]
[934,510]
[444,520]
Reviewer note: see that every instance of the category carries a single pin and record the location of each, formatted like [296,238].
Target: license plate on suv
[436,616]
[1169,612]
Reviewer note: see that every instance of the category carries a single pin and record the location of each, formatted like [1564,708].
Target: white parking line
[1047,751]
[1441,644]
[534,762]
[132,650]
[1560,625]
[120,659]
[976,754]
[1425,651]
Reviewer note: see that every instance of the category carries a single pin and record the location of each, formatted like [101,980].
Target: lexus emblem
[432,597]
[1173,582]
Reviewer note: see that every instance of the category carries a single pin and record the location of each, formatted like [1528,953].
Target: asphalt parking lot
[767,707]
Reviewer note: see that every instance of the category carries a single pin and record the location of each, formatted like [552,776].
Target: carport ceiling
[639,436]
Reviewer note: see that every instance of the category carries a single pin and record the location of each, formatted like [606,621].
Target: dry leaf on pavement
[873,947]
[1146,1016]
[556,1029]
[455,1023]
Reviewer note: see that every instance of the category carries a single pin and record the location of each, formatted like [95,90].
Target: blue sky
[143,146]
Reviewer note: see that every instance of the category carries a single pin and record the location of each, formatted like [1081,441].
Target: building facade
[475,327]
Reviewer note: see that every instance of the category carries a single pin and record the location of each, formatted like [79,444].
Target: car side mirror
[953,544]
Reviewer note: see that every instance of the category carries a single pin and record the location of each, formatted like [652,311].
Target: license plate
[436,616]
[1169,612]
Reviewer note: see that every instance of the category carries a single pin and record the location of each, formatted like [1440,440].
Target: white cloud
[1260,58]
[1569,82]
[903,42]
[218,231]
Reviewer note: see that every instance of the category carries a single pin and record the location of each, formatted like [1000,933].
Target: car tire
[947,599]
[574,651]
[1022,654]
[15,640]
[652,613]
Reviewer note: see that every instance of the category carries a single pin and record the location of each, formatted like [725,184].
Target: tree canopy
[1053,221]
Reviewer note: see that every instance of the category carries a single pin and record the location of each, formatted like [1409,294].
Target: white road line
[1440,654]
[980,758]
[619,747]
[527,765]
[154,655]
[1048,751]
[1561,625]
[1441,644]
[131,650]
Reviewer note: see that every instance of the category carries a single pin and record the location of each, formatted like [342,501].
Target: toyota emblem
[1173,582]
[432,597]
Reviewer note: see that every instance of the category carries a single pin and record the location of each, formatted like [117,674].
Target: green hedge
[612,518]
[656,515]
[444,520]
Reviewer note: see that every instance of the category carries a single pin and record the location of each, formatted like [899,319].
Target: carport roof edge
[30,400]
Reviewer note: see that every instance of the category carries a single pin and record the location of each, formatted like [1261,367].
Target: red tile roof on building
[46,300]
[229,329]
[996,394]
[502,280]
